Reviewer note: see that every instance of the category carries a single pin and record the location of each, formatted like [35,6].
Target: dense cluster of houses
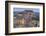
[25,18]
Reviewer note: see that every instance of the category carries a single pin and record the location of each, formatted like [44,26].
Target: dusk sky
[22,9]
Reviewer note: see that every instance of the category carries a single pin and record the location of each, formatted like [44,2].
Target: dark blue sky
[22,9]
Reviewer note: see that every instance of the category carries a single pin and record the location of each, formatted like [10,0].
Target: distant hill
[36,14]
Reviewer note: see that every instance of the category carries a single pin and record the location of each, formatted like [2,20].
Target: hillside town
[25,18]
